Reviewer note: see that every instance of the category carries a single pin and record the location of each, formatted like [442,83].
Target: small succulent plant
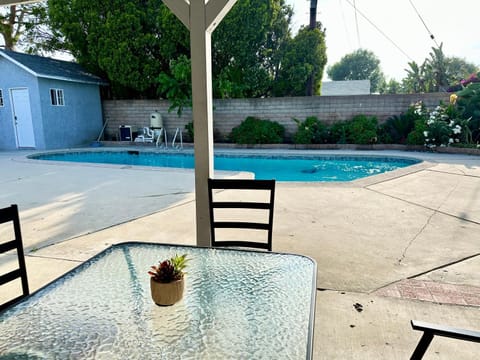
[170,269]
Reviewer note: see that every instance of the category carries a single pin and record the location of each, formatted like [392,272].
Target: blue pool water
[288,168]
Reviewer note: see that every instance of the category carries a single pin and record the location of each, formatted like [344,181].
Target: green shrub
[469,105]
[397,127]
[338,133]
[310,131]
[256,131]
[416,136]
[384,135]
[362,129]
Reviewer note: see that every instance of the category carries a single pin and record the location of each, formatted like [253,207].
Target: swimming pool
[281,168]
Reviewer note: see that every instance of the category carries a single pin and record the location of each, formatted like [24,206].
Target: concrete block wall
[231,112]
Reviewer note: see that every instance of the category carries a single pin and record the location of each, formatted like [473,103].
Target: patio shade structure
[201,17]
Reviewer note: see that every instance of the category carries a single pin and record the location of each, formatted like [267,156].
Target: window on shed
[56,97]
[1,98]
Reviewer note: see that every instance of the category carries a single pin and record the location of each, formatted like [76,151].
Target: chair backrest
[266,207]
[431,330]
[7,215]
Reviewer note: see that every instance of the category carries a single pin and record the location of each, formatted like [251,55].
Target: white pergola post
[201,18]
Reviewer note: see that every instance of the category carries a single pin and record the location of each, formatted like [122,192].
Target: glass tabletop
[236,305]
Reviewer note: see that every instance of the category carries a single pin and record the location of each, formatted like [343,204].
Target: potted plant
[167,280]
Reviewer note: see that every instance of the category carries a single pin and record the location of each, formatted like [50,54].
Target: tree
[414,83]
[309,90]
[130,42]
[304,56]
[459,69]
[133,42]
[24,26]
[391,86]
[360,65]
[177,85]
[437,72]
[246,45]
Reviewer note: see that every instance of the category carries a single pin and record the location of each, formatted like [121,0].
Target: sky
[452,23]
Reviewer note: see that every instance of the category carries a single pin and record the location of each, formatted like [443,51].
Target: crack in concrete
[427,222]
[435,211]
[404,253]
[462,173]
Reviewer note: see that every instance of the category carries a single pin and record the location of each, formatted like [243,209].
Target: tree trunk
[313,24]
[7,29]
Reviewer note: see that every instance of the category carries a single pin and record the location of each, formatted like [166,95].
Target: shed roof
[49,68]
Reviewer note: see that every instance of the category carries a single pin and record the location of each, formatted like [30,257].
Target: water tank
[156,120]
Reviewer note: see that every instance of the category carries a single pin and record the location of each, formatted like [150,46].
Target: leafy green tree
[127,41]
[304,55]
[177,85]
[459,69]
[24,26]
[245,48]
[391,86]
[360,65]
[133,42]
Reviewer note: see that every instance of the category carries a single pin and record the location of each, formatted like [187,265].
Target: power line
[379,30]
[347,34]
[356,24]
[424,24]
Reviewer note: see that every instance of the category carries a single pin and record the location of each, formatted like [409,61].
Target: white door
[22,118]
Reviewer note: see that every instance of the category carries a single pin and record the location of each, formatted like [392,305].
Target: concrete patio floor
[403,245]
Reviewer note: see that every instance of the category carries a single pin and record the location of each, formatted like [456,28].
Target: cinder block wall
[231,112]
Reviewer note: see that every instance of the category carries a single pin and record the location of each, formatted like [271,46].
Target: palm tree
[415,80]
[436,67]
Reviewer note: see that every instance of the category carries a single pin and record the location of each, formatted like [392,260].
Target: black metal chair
[430,330]
[267,186]
[10,214]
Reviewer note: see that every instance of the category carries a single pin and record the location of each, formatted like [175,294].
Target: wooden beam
[216,11]
[181,8]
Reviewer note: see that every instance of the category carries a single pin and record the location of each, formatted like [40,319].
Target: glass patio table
[237,305]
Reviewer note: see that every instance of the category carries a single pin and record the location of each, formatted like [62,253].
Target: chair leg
[422,346]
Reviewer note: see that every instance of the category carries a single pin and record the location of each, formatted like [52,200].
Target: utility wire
[380,31]
[424,24]
[356,24]
[347,34]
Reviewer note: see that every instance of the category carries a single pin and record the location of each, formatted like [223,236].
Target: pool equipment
[156,121]
[125,132]
[147,136]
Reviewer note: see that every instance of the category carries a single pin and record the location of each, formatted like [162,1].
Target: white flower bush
[443,126]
